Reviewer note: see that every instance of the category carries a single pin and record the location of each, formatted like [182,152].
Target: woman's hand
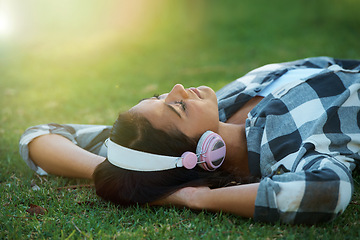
[185,197]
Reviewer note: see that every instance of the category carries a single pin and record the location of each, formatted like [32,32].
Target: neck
[236,160]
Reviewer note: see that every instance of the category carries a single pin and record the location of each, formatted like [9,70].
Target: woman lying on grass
[291,132]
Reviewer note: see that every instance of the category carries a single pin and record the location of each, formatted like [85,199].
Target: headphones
[210,154]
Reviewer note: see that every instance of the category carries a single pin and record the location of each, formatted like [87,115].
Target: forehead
[156,112]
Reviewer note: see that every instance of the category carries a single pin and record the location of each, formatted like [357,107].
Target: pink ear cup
[189,160]
[208,154]
[214,155]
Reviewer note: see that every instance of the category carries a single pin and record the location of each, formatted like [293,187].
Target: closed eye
[182,104]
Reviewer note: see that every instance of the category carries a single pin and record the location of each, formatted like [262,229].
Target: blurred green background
[84,61]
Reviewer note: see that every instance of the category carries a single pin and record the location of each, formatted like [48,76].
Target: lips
[196,91]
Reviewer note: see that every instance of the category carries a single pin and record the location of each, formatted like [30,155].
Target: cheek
[207,118]
[206,111]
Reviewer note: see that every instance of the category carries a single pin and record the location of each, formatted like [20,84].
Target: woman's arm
[59,156]
[239,200]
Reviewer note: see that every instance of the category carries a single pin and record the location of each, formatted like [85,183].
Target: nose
[177,93]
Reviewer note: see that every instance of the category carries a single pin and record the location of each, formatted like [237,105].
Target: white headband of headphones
[130,159]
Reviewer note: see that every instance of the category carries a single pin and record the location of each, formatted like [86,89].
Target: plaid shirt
[303,139]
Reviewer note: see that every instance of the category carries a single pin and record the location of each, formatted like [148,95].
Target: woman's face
[192,111]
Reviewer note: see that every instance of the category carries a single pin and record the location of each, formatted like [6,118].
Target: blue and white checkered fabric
[303,139]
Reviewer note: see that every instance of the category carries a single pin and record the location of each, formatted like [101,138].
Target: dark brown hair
[127,187]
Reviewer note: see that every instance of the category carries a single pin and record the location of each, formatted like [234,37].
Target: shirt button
[257,89]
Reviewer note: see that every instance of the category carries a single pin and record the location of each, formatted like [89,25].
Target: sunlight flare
[6,21]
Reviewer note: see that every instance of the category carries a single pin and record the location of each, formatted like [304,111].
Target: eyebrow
[168,106]
[173,109]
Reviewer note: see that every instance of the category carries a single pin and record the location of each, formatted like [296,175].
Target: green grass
[72,75]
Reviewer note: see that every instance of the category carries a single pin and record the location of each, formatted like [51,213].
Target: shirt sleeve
[318,191]
[88,137]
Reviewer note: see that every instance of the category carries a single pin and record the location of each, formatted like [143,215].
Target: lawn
[84,62]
